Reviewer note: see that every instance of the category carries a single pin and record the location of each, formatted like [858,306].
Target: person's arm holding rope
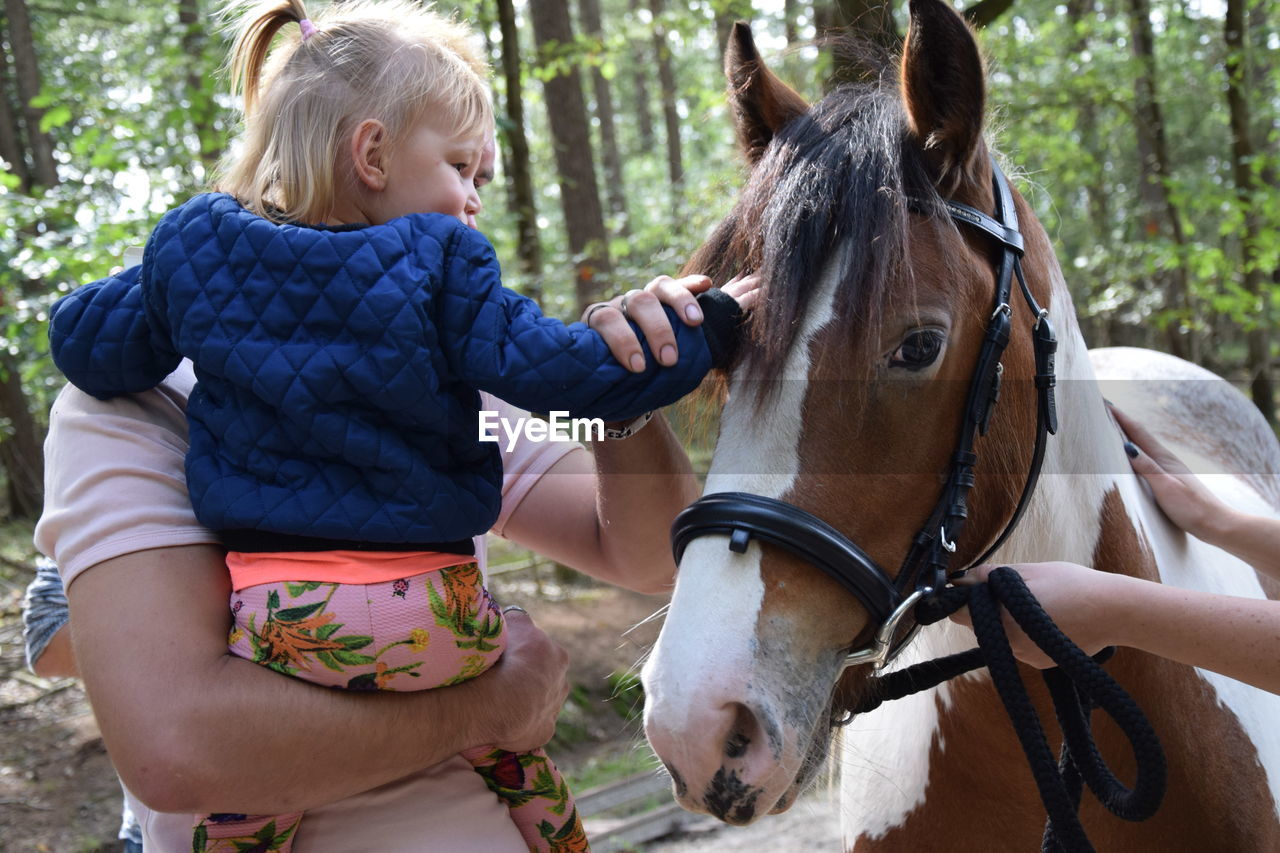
[1237,637]
[1234,636]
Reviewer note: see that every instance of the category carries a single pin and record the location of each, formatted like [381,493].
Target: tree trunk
[529,250]
[21,452]
[1242,152]
[615,189]
[727,13]
[202,107]
[640,87]
[869,20]
[44,170]
[12,147]
[985,12]
[790,28]
[571,138]
[872,19]
[670,115]
[1159,214]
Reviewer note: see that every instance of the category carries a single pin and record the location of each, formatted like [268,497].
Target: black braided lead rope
[1076,686]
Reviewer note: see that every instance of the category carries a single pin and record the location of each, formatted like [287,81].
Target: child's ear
[369,154]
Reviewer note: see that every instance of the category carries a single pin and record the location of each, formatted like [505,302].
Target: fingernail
[637,362]
[1131,449]
[692,313]
[668,355]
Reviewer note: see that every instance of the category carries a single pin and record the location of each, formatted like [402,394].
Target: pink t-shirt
[114,485]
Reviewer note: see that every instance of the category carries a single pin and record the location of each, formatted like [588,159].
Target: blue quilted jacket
[338,370]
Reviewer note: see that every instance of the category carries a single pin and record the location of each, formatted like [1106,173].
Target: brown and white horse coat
[740,682]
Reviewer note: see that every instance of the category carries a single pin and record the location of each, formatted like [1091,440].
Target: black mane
[844,173]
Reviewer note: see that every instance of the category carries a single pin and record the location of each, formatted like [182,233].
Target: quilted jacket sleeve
[499,341]
[100,337]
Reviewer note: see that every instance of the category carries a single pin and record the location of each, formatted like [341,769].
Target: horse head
[846,398]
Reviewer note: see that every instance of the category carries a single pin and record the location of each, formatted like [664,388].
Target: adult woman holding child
[368,133]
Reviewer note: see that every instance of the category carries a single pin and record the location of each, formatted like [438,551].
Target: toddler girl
[342,319]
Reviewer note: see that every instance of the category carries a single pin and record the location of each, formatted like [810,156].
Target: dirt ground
[58,792]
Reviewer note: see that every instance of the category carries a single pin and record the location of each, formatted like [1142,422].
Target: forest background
[1146,133]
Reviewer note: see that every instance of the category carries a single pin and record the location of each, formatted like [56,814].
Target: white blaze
[708,637]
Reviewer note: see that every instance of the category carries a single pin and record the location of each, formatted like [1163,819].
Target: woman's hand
[644,308]
[1083,602]
[1179,492]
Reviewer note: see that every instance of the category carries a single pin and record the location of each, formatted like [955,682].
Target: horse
[845,401]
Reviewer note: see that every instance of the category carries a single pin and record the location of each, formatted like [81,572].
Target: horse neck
[1086,493]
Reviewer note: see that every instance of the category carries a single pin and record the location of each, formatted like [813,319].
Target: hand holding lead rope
[1077,685]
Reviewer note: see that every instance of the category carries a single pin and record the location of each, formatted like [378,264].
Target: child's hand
[644,308]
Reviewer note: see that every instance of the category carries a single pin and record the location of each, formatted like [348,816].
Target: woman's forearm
[1253,538]
[611,517]
[1237,637]
[192,729]
[642,483]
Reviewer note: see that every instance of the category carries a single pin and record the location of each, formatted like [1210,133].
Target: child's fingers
[742,285]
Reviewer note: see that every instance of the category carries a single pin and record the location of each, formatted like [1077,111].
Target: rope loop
[1077,685]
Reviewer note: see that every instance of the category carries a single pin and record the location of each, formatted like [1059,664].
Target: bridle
[1077,685]
[889,602]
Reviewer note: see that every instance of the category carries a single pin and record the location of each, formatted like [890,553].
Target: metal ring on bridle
[1002,308]
[882,649]
[949,547]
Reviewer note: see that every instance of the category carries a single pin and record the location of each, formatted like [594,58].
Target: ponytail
[253,41]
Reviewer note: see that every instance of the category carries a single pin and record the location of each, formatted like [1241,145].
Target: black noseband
[740,516]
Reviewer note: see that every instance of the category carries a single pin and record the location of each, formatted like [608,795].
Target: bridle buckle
[883,650]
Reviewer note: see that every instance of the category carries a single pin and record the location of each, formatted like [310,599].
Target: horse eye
[919,349]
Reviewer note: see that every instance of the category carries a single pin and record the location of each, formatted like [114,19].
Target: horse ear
[943,87]
[761,102]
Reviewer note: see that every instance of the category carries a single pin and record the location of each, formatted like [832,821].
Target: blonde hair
[391,60]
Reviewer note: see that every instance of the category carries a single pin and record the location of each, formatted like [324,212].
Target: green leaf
[355,641]
[352,658]
[297,589]
[56,117]
[328,661]
[294,614]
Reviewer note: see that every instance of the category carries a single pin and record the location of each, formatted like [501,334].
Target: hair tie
[308,28]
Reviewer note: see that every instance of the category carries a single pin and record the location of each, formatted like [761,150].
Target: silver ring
[515,607]
[586,318]
[622,305]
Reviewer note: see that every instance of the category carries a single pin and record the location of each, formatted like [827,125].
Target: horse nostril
[743,732]
[681,787]
[736,745]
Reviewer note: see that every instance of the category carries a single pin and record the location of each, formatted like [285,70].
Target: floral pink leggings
[416,633]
